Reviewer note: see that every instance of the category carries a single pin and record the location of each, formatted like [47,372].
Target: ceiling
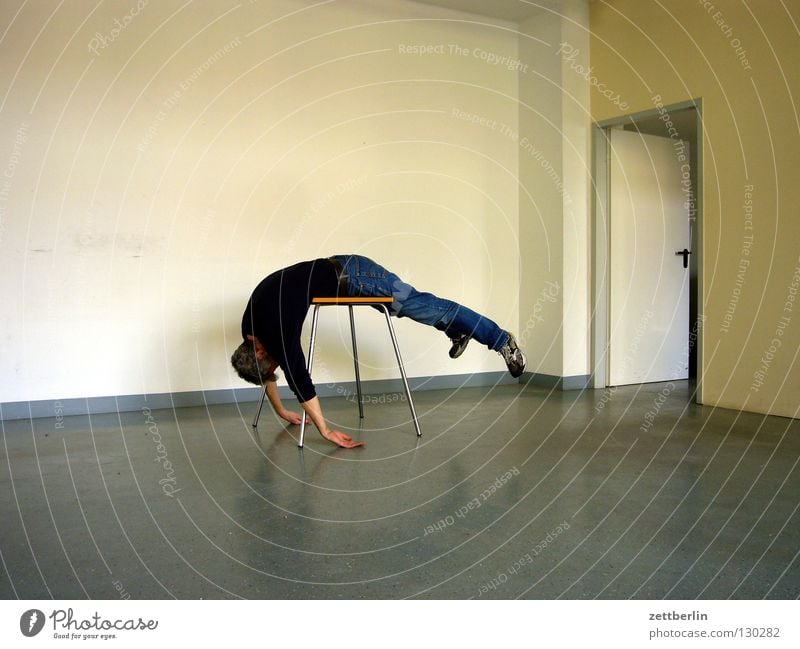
[512,10]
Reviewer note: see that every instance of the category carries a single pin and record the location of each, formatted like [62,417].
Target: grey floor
[512,492]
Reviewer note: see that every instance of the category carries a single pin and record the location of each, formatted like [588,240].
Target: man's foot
[513,356]
[459,345]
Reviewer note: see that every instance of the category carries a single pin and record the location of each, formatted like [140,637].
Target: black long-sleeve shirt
[275,315]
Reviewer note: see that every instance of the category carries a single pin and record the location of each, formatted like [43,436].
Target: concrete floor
[513,492]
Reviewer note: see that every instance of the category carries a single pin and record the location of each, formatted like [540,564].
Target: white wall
[554,200]
[152,175]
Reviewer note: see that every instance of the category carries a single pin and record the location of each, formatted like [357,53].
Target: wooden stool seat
[344,301]
[382,304]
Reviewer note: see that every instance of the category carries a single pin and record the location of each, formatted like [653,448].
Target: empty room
[335,300]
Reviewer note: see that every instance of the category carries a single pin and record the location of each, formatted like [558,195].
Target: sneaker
[459,345]
[513,356]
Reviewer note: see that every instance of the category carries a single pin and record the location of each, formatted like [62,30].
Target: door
[648,260]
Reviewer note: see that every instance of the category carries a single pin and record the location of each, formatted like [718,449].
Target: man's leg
[445,315]
[367,278]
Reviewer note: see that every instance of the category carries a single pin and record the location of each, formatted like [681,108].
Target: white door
[648,281]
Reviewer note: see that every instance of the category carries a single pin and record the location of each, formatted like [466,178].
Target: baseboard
[549,382]
[132,402]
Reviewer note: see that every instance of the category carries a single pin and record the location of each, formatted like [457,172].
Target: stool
[379,302]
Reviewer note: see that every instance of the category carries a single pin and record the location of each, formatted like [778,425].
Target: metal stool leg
[310,362]
[402,369]
[260,405]
[355,360]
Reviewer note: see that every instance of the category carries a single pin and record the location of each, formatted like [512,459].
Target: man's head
[252,364]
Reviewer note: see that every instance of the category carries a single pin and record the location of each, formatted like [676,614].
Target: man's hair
[248,367]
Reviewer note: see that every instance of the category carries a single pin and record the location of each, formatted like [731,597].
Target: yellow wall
[159,158]
[743,61]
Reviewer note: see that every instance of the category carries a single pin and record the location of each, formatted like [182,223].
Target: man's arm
[311,406]
[277,405]
[314,410]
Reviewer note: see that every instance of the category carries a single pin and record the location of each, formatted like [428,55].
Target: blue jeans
[365,278]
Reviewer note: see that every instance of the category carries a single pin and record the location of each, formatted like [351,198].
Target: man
[273,320]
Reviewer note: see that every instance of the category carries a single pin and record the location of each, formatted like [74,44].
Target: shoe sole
[524,360]
[456,351]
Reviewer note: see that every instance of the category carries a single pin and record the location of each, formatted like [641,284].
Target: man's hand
[314,410]
[292,417]
[341,439]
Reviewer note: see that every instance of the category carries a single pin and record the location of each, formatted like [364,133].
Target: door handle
[685,254]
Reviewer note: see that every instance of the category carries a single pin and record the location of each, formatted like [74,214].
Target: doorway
[647,243]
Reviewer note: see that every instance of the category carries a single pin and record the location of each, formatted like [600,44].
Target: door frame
[600,243]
